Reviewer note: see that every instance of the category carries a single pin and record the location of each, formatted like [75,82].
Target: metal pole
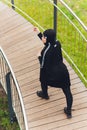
[12,1]
[12,114]
[55,17]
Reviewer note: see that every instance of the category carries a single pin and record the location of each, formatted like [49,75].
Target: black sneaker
[67,112]
[40,94]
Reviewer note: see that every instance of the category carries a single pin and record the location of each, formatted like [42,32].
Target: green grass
[80,8]
[4,114]
[41,11]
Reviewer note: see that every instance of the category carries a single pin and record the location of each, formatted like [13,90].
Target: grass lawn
[80,8]
[4,113]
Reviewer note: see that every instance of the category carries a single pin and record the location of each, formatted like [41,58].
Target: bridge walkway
[21,45]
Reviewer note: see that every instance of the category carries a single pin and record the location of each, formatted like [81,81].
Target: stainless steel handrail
[17,86]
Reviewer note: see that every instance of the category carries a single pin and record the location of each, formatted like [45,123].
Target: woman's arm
[40,35]
[38,32]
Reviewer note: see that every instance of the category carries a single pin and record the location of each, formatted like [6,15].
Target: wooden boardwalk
[21,45]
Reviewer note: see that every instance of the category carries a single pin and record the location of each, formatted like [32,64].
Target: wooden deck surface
[21,45]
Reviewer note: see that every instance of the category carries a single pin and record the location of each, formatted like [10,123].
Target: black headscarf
[51,35]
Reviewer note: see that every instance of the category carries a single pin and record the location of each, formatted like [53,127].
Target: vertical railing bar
[12,114]
[2,72]
[75,43]
[13,7]
[55,17]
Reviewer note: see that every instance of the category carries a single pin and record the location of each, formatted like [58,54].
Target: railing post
[11,111]
[12,1]
[55,17]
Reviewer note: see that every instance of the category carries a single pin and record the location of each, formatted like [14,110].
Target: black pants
[69,97]
[66,91]
[44,88]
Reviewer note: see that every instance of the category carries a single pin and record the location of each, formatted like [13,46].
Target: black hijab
[51,35]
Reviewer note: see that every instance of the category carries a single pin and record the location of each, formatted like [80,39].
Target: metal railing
[11,87]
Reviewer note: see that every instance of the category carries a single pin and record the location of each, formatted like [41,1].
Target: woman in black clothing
[53,71]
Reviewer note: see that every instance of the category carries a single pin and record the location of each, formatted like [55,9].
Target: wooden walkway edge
[21,45]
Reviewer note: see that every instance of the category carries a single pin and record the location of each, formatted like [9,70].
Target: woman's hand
[36,30]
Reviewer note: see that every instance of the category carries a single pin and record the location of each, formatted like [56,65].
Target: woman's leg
[69,97]
[44,88]
[44,92]
[69,100]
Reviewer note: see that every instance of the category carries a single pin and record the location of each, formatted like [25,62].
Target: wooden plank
[45,112]
[54,99]
[56,121]
[81,125]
